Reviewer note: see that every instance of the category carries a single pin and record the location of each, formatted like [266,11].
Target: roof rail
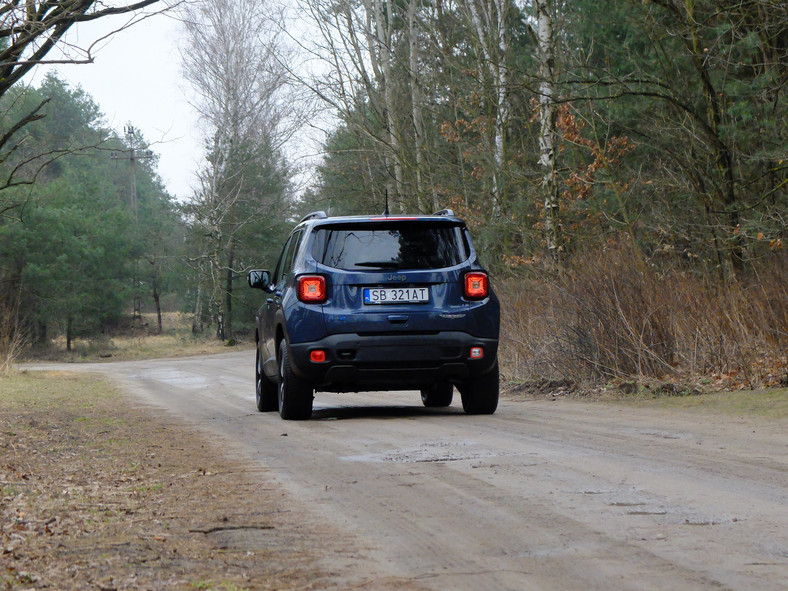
[315,215]
[445,212]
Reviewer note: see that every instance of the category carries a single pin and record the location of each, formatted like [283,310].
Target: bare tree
[418,106]
[381,46]
[12,335]
[30,30]
[233,61]
[489,20]
[548,137]
[33,33]
[365,73]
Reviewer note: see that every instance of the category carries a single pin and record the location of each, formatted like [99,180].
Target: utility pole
[132,154]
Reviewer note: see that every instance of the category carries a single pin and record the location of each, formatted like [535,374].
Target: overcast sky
[136,79]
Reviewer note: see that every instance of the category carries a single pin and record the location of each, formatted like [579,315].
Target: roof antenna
[386,212]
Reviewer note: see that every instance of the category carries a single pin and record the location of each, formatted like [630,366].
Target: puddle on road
[432,451]
[666,434]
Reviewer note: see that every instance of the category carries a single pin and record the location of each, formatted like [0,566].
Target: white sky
[136,79]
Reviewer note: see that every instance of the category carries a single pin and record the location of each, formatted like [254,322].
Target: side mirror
[260,279]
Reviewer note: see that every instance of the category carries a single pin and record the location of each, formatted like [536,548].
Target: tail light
[476,286]
[312,289]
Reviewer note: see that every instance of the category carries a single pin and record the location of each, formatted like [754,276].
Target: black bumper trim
[394,362]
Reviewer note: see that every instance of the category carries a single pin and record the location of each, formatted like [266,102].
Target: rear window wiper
[378,264]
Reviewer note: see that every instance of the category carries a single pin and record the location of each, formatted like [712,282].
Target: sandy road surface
[542,495]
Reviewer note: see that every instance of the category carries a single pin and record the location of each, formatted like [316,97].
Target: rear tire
[265,390]
[437,395]
[295,395]
[480,394]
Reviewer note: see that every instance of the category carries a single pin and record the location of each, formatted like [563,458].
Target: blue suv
[377,303]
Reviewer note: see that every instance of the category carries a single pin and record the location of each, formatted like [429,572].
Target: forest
[623,166]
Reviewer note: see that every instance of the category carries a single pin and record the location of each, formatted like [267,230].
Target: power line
[132,154]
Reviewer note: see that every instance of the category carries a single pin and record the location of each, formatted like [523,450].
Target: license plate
[396,295]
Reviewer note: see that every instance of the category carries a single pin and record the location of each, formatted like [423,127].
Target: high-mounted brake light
[476,286]
[394,219]
[312,289]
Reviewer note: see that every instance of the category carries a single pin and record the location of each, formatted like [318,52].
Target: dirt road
[542,495]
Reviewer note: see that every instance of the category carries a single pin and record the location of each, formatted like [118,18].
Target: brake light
[476,286]
[394,219]
[312,289]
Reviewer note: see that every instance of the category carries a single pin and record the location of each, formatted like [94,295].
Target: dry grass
[99,494]
[771,403]
[137,342]
[12,338]
[611,315]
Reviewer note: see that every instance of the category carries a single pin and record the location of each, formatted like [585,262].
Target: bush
[610,314]
[13,339]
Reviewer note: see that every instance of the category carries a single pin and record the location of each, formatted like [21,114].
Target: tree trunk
[228,296]
[502,106]
[157,303]
[384,39]
[219,321]
[197,326]
[216,240]
[217,302]
[548,134]
[722,152]
[417,104]
[490,26]
[69,335]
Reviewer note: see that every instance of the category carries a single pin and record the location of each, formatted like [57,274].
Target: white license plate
[396,295]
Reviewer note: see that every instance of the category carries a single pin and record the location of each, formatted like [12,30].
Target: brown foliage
[610,314]
[98,493]
[12,336]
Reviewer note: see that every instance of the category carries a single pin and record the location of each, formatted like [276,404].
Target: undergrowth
[612,315]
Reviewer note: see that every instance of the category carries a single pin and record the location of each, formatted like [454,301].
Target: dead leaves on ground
[116,498]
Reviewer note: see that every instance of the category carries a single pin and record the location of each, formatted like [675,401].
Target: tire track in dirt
[542,495]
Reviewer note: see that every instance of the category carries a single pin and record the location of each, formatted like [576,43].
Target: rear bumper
[392,362]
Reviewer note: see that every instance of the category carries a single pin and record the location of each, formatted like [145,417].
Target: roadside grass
[764,402]
[98,492]
[139,341]
[769,402]
[24,391]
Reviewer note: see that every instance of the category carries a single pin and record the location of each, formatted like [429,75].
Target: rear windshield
[383,246]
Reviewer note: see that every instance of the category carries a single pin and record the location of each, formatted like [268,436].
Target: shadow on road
[343,413]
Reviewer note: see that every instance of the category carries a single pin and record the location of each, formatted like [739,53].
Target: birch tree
[490,23]
[370,58]
[233,61]
[417,105]
[381,57]
[547,118]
